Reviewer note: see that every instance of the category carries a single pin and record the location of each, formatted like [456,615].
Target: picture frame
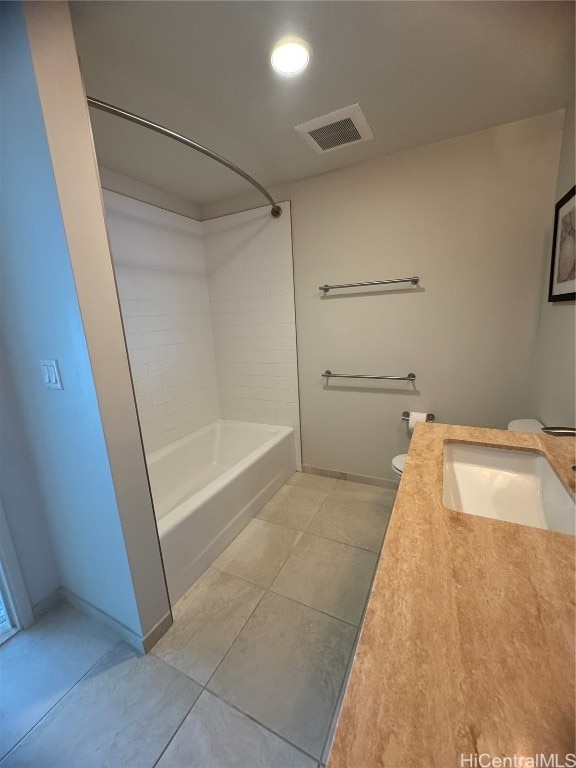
[563,262]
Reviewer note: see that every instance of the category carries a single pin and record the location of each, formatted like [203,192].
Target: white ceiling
[421,71]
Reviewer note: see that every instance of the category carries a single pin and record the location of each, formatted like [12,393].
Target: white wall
[470,216]
[163,287]
[59,300]
[554,366]
[249,258]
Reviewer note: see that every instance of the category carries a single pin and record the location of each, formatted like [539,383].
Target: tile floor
[251,673]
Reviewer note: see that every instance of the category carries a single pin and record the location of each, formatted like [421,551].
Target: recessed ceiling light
[290,56]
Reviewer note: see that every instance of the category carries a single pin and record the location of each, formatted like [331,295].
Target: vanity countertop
[467,644]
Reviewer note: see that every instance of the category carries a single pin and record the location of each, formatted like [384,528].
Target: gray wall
[41,319]
[471,216]
[59,301]
[553,393]
[21,496]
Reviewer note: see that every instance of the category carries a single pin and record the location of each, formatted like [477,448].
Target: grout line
[344,679]
[246,714]
[237,636]
[180,672]
[247,581]
[305,474]
[281,525]
[330,615]
[45,715]
[334,488]
[262,725]
[279,594]
[180,724]
[269,589]
[266,591]
[316,535]
[344,543]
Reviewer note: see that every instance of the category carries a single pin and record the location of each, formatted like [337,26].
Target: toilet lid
[525,425]
[399,461]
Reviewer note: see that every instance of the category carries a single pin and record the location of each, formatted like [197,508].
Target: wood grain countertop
[467,644]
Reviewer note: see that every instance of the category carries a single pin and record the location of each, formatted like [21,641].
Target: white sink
[516,486]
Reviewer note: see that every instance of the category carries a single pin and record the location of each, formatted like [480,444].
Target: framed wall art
[563,266]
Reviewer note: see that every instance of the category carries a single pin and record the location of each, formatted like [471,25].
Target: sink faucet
[560,431]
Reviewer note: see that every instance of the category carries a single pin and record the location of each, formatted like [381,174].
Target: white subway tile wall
[249,260]
[208,312]
[163,288]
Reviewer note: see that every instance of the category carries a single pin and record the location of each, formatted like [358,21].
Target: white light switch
[51,374]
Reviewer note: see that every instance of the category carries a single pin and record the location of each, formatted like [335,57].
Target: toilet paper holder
[406,416]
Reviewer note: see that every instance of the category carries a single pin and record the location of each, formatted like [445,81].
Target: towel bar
[330,375]
[413,280]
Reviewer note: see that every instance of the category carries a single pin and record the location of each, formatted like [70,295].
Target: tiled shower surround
[208,310]
[249,260]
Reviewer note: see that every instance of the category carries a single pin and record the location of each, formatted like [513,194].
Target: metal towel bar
[413,280]
[330,375]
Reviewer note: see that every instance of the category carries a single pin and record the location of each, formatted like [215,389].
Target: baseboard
[366,479]
[140,644]
[157,632]
[47,603]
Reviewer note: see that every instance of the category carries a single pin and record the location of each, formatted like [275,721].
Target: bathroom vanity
[467,645]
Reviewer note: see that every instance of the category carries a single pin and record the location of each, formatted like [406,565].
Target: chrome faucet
[560,431]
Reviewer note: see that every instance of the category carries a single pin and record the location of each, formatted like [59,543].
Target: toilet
[517,425]
[525,425]
[398,464]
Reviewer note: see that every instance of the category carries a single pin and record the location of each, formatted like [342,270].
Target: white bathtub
[208,485]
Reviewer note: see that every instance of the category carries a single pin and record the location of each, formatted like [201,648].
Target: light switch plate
[51,374]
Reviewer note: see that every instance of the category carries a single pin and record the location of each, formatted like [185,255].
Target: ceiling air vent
[336,130]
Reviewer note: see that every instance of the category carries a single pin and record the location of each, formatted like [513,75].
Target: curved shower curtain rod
[276,211]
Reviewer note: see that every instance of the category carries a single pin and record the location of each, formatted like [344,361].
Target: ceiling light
[290,56]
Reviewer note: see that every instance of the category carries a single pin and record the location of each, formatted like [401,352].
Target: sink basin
[516,486]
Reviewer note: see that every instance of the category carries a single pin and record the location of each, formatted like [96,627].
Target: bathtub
[208,485]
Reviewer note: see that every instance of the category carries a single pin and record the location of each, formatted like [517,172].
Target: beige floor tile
[206,621]
[293,507]
[332,577]
[214,735]
[352,520]
[123,713]
[313,482]
[285,669]
[258,553]
[365,491]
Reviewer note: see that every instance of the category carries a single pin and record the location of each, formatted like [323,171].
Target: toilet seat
[398,463]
